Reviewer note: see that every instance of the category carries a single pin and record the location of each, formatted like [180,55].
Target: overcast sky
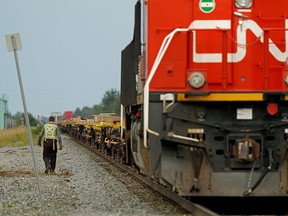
[71,51]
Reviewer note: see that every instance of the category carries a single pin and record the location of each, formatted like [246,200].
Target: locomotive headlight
[243,3]
[196,80]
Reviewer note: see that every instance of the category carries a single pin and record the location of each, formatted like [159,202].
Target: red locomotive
[204,85]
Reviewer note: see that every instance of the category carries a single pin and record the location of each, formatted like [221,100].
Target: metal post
[27,120]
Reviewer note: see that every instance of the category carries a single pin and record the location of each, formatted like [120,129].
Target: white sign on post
[13,42]
[13,45]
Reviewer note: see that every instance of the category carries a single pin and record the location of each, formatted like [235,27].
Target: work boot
[47,169]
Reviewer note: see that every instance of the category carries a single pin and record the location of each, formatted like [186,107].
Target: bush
[17,137]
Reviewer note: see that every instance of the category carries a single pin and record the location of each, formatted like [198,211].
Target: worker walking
[52,136]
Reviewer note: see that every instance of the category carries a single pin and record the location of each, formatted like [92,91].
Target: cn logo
[239,55]
[207,6]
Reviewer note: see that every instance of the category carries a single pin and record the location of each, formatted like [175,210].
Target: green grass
[18,137]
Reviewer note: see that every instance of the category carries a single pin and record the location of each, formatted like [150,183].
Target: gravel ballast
[82,185]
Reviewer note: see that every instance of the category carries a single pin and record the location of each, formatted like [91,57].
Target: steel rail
[193,208]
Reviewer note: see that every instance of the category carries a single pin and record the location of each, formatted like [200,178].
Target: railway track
[192,208]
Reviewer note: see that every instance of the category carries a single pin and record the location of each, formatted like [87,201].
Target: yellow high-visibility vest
[50,131]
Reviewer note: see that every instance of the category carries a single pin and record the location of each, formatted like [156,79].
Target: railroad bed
[84,184]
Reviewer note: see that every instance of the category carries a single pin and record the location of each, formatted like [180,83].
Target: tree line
[110,103]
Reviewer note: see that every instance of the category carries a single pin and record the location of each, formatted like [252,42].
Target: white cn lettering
[241,39]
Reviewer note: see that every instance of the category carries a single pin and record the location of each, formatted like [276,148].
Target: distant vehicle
[68,115]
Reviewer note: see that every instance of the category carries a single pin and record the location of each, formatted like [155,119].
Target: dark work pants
[49,155]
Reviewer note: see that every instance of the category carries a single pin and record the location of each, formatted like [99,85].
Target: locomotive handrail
[164,46]
[165,107]
[172,134]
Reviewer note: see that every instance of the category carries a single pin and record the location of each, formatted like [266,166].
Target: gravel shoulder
[81,186]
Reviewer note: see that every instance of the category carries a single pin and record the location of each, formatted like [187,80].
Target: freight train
[204,87]
[102,132]
[204,94]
